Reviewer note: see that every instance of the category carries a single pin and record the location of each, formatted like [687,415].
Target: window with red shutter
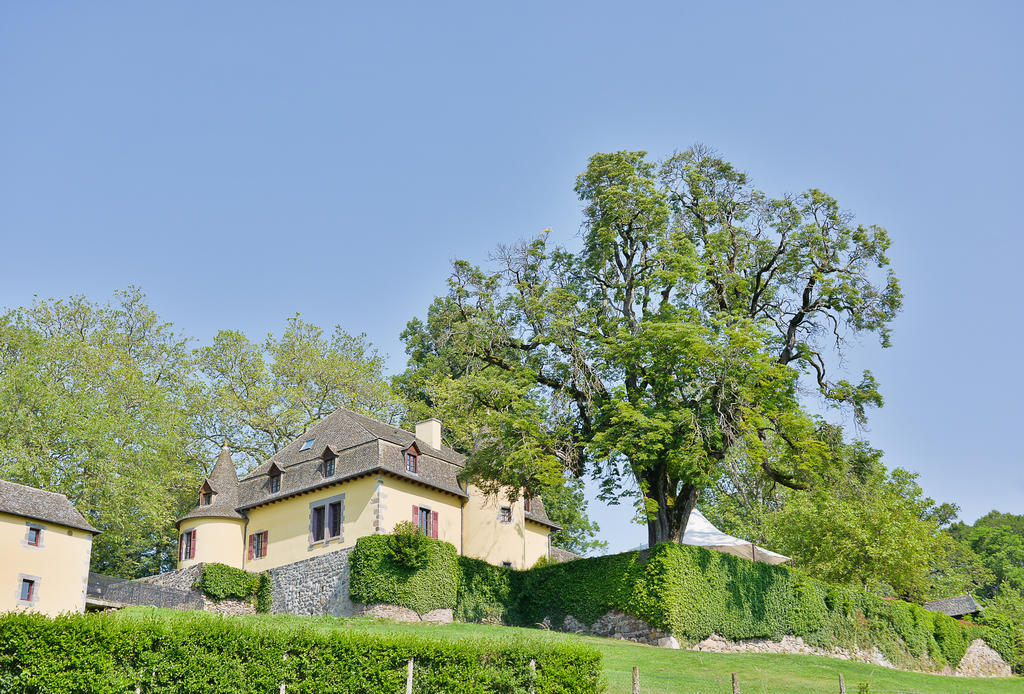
[433,524]
[266,543]
[181,543]
[192,548]
[252,540]
[416,516]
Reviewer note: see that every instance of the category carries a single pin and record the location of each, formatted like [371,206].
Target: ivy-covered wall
[380,576]
[688,591]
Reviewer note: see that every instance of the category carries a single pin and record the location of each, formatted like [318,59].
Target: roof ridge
[36,489]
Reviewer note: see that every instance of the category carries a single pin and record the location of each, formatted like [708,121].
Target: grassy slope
[666,671]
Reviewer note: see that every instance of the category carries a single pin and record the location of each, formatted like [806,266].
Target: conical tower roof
[223,483]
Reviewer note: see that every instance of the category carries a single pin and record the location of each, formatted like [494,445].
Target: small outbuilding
[959,606]
[45,545]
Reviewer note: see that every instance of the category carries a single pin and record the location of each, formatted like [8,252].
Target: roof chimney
[429,432]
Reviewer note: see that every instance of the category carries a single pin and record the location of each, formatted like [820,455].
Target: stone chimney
[429,432]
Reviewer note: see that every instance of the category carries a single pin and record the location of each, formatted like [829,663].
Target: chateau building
[45,546]
[348,477]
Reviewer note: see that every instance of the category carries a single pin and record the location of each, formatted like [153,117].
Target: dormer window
[206,499]
[329,459]
[411,454]
[274,478]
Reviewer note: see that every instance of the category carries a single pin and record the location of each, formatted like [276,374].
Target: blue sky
[246,161]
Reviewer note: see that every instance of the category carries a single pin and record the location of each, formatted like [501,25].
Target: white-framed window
[505,514]
[28,589]
[35,536]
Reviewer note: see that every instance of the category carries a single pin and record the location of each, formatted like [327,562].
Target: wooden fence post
[533,676]
[842,684]
[408,679]
[636,680]
[735,684]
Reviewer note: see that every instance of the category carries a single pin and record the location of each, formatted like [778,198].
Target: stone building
[348,477]
[45,546]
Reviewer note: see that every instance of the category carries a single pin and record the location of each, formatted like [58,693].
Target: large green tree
[99,402]
[263,395]
[686,325]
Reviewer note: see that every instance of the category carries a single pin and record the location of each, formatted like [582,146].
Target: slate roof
[954,607]
[223,482]
[538,514]
[36,504]
[362,446]
[563,555]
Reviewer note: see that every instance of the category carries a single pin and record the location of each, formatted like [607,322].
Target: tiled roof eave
[540,521]
[348,478]
[67,524]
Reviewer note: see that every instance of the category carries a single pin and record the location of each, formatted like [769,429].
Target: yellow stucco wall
[60,566]
[217,540]
[397,497]
[495,542]
[287,523]
[536,542]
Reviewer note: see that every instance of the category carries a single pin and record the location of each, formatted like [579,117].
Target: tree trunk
[669,522]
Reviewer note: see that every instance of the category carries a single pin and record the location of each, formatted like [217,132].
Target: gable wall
[495,542]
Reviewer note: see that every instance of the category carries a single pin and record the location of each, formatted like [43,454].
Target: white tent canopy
[700,532]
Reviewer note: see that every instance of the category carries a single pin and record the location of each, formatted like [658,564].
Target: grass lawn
[690,672]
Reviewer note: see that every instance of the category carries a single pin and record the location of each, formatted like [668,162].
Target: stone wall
[618,625]
[980,660]
[313,587]
[398,613]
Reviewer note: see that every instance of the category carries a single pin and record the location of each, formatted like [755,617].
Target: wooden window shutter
[433,524]
[266,542]
[192,549]
[252,540]
[181,542]
[416,515]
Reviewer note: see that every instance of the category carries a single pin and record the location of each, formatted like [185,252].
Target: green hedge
[378,578]
[692,592]
[220,581]
[204,653]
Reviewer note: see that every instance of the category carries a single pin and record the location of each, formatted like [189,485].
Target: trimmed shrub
[378,577]
[200,652]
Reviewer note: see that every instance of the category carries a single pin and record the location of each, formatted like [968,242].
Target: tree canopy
[99,402]
[687,325]
[262,396]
